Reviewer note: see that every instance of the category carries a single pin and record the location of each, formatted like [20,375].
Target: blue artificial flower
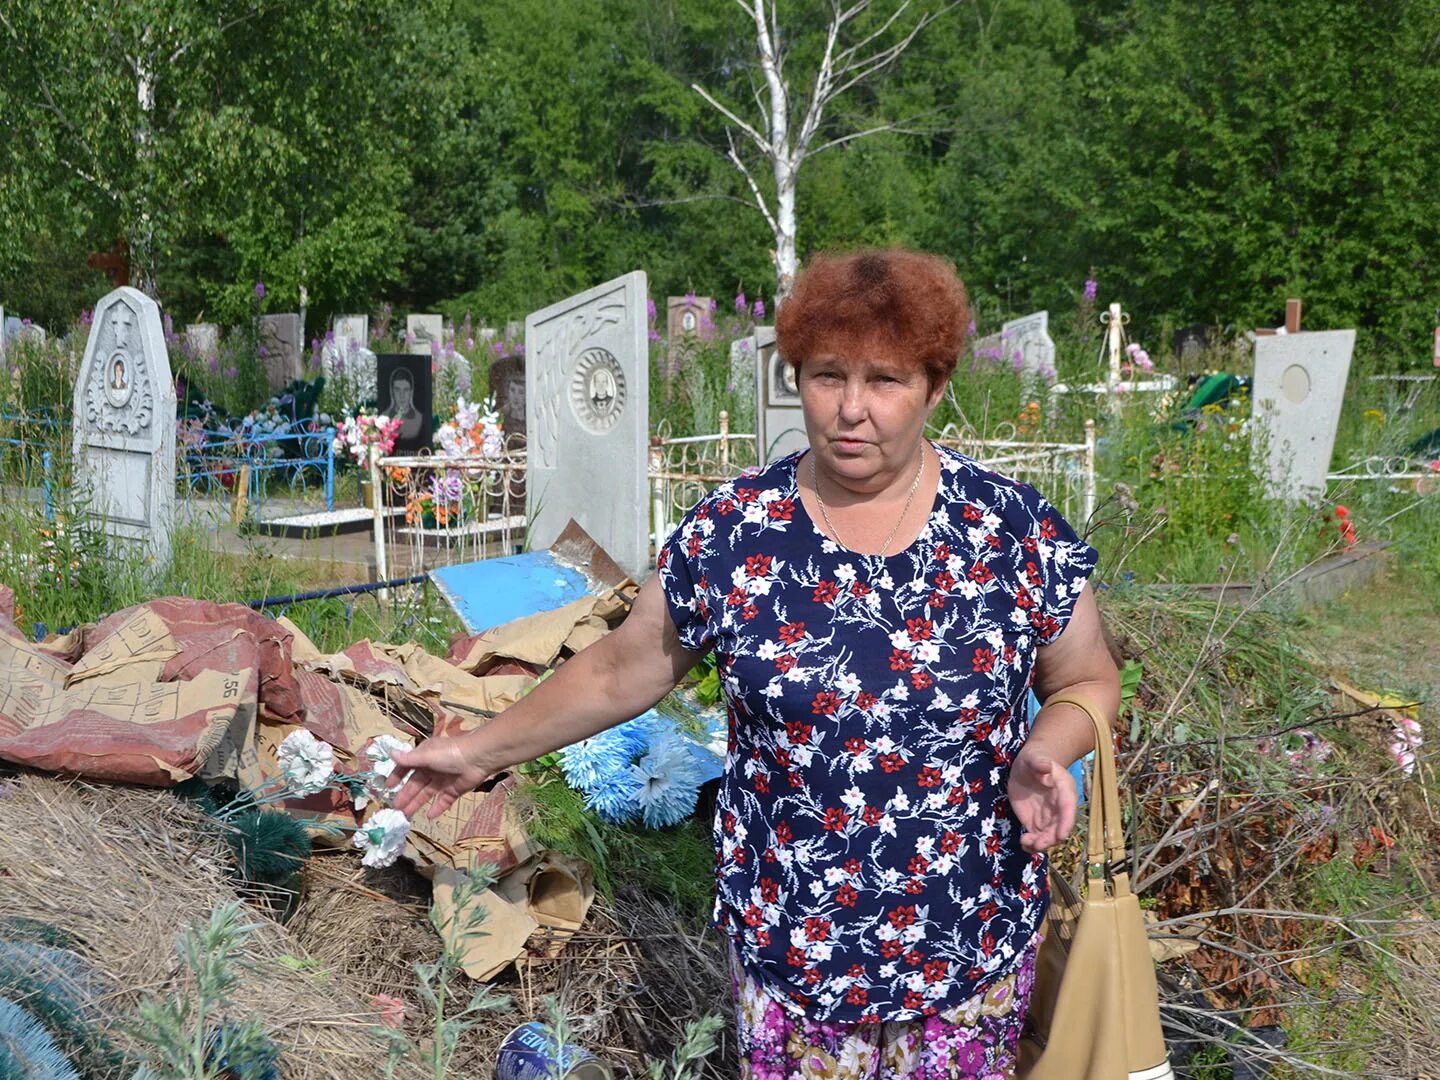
[615,798]
[667,781]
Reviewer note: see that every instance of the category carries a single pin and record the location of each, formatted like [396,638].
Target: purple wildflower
[215,364]
[741,304]
[232,371]
[650,308]
[759,309]
[653,334]
[259,290]
[1092,287]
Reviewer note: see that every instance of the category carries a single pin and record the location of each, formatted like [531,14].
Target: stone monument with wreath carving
[587,416]
[124,430]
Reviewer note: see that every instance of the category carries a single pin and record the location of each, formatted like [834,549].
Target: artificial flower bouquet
[362,434]
[474,429]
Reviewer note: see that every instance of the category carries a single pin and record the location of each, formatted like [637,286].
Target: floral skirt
[976,1040]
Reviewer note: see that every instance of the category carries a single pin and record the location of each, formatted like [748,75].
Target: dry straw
[122,870]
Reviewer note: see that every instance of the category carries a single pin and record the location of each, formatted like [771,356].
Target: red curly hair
[908,303]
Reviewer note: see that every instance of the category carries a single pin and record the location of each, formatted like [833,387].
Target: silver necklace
[914,486]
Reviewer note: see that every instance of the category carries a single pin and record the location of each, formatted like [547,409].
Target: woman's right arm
[617,678]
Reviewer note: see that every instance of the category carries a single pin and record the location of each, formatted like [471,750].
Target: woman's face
[865,414]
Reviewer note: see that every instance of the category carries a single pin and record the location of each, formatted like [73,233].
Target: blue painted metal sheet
[493,591]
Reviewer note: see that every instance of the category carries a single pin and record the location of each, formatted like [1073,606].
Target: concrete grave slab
[1298,390]
[282,341]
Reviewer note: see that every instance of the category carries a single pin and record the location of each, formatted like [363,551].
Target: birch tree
[790,124]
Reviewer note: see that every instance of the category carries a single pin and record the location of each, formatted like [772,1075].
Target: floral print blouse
[868,864]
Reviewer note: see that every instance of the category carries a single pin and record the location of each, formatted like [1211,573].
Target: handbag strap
[1106,840]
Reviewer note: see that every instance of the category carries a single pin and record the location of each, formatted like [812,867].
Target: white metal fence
[435,510]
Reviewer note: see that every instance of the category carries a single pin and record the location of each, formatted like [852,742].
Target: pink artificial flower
[392,1011]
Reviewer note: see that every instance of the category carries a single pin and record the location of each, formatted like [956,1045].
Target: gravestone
[282,341]
[587,405]
[405,391]
[1190,342]
[352,332]
[507,387]
[424,334]
[684,318]
[779,422]
[1298,389]
[203,340]
[1030,338]
[33,333]
[347,361]
[124,422]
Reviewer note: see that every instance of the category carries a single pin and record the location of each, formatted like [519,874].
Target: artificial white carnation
[383,838]
[306,762]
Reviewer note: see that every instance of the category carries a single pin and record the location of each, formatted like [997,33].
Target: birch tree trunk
[785,136]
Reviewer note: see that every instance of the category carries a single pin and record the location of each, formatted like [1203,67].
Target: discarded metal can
[530,1052]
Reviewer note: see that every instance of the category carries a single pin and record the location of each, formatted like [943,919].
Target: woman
[880,608]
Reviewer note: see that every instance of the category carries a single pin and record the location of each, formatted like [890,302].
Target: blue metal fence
[299,455]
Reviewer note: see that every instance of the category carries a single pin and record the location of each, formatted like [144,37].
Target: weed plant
[192,1036]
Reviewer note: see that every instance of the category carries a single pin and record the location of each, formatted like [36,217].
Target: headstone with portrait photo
[685,317]
[587,394]
[124,424]
[404,391]
[507,387]
[779,421]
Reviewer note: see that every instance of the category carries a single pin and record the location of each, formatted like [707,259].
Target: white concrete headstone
[351,332]
[779,421]
[587,406]
[1030,338]
[424,334]
[282,342]
[1298,390]
[125,423]
[347,362]
[203,340]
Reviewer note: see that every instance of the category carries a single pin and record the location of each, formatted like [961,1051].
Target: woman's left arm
[1077,663]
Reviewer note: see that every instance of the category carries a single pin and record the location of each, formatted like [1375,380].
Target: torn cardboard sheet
[537,907]
[540,639]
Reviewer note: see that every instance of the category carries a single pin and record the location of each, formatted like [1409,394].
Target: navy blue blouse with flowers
[868,863]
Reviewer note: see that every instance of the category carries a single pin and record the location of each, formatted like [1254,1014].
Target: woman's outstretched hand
[1042,794]
[437,769]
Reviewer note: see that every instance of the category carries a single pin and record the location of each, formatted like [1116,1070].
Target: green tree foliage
[492,156]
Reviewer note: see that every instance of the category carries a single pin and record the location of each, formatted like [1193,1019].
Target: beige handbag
[1095,1011]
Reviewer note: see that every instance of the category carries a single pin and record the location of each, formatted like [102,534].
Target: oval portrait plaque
[597,390]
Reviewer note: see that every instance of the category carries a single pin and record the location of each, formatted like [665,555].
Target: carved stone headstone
[1298,389]
[351,332]
[282,341]
[1029,339]
[203,340]
[779,422]
[587,394]
[507,386]
[424,334]
[125,423]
